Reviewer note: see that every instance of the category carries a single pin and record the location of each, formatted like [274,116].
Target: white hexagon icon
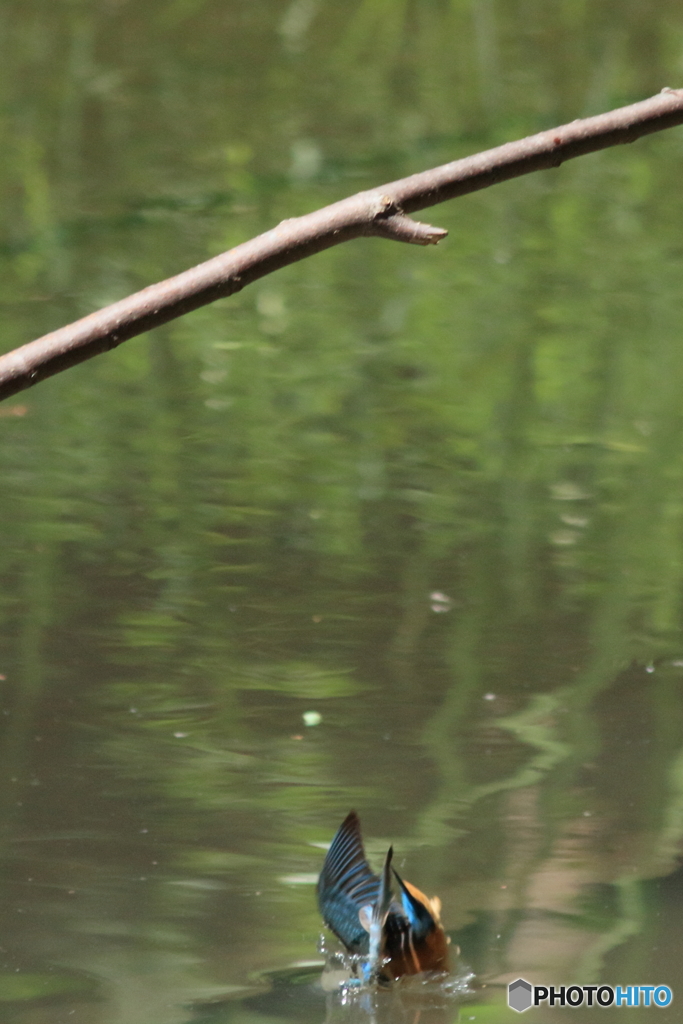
[519,995]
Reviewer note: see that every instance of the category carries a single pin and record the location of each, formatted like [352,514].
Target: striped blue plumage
[403,937]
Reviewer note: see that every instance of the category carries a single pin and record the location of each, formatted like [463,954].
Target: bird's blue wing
[346,885]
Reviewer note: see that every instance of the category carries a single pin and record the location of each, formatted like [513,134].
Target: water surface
[434,497]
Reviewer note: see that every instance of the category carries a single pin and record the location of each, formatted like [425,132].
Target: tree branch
[381,211]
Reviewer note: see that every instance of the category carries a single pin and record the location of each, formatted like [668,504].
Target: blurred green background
[435,496]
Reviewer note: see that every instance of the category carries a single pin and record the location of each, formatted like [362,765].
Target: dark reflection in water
[395,530]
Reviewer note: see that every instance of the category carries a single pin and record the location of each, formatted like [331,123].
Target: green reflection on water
[432,497]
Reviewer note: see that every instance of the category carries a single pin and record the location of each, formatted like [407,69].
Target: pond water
[395,529]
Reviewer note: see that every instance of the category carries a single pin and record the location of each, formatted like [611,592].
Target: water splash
[346,975]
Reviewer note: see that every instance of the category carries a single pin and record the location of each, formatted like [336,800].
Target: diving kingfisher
[398,938]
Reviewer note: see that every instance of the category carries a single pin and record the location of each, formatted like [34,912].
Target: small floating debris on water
[312,718]
[440,602]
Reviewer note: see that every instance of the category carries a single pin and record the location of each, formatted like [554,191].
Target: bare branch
[381,211]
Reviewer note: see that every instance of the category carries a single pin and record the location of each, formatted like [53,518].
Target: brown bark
[381,211]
